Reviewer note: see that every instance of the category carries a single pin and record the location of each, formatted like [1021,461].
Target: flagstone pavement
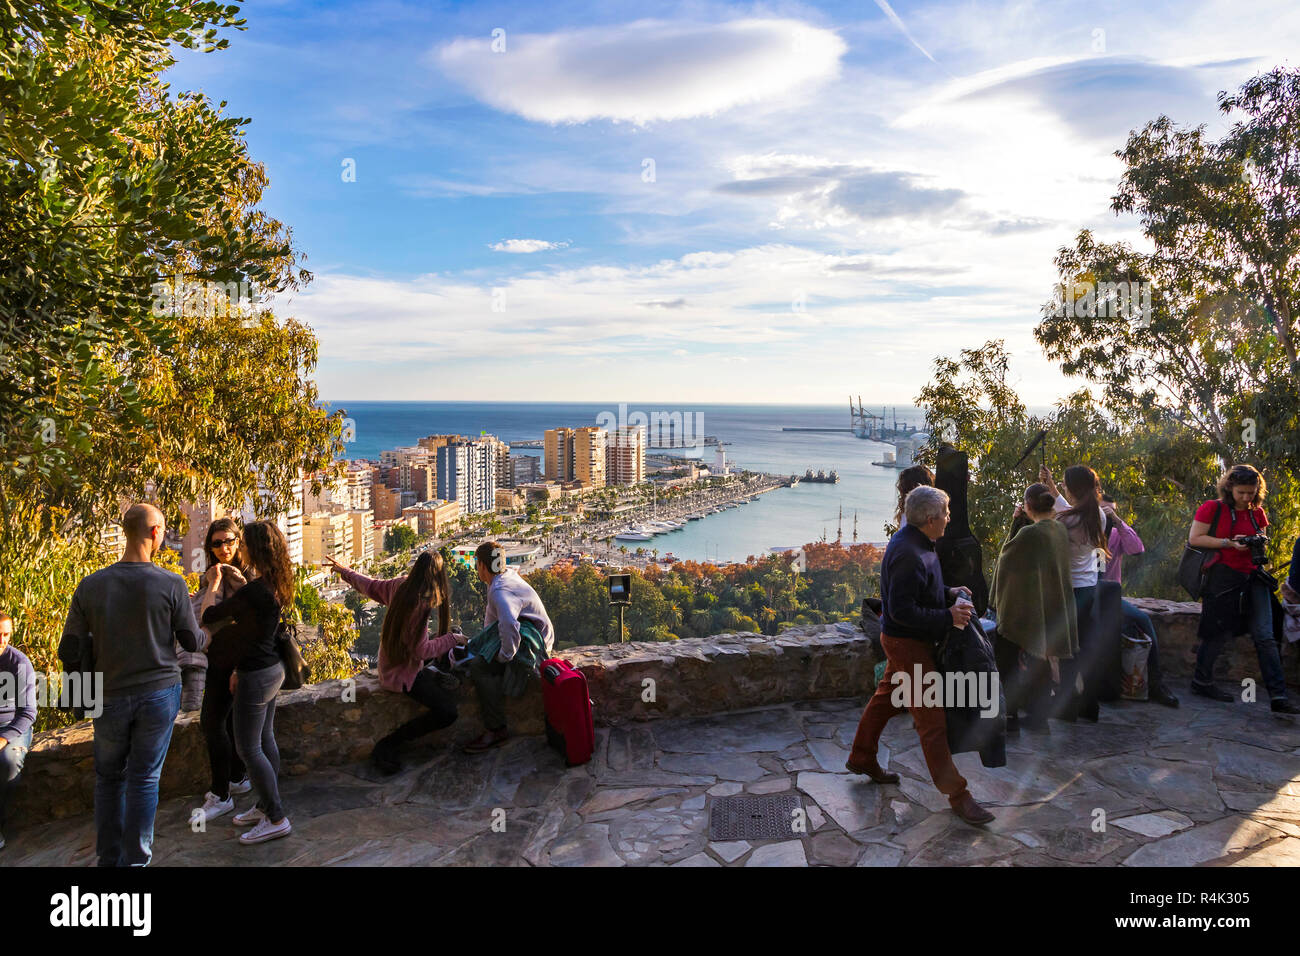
[1208,784]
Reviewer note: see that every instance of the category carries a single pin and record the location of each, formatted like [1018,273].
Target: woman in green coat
[1035,605]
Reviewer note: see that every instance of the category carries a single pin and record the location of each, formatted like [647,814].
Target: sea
[856,508]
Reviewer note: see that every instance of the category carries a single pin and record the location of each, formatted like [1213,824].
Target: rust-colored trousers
[903,654]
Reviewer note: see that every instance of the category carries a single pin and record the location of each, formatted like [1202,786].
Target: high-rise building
[557,454]
[327,534]
[424,481]
[363,538]
[467,474]
[524,469]
[501,454]
[625,456]
[360,477]
[589,455]
[575,454]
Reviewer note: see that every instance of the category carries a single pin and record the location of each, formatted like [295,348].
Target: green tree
[399,538]
[137,356]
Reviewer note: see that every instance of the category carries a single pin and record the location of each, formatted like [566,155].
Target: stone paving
[1209,784]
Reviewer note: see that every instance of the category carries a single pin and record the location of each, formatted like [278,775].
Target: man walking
[517,636]
[17,714]
[133,613]
[917,612]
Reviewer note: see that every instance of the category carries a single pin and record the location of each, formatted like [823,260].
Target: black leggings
[429,691]
[217,721]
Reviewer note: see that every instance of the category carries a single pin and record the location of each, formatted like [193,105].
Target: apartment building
[363,538]
[625,456]
[467,474]
[432,516]
[575,454]
[327,534]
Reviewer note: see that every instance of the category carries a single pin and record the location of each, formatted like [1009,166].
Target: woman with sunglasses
[225,574]
[246,631]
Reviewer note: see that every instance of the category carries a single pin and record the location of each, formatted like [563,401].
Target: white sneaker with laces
[250,816]
[266,830]
[242,786]
[214,806]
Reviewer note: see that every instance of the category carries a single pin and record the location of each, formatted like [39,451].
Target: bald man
[130,616]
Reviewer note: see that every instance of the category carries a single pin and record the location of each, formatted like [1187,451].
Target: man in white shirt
[524,630]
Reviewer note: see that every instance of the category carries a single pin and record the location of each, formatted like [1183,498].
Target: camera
[1258,544]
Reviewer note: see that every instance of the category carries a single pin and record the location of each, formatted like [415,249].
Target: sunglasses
[224,541]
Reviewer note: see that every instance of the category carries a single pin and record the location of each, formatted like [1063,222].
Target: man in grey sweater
[127,619]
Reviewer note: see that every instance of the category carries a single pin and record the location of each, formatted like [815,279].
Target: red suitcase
[569,725]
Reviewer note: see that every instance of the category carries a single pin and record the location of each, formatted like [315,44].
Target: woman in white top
[1078,507]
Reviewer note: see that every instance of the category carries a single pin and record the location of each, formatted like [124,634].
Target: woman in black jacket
[244,634]
[223,577]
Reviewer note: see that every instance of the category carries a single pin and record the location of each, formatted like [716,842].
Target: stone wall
[1176,623]
[337,722]
[320,725]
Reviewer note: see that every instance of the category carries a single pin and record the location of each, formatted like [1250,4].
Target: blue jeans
[131,740]
[1143,620]
[11,768]
[1260,600]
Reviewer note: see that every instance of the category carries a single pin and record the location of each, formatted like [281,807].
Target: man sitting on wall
[17,714]
[517,636]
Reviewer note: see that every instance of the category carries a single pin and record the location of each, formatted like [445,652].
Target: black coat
[965,652]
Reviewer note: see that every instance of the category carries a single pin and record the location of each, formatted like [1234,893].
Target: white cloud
[526,245]
[644,71]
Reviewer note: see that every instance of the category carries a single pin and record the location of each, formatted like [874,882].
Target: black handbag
[1192,568]
[296,670]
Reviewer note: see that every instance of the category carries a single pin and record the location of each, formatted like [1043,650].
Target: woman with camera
[405,647]
[1237,594]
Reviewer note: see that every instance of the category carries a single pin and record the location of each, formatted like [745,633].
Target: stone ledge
[1176,623]
[315,727]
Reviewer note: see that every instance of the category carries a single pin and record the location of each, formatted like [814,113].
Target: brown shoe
[874,772]
[489,739]
[971,812]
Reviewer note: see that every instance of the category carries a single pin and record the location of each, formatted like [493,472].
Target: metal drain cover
[767,817]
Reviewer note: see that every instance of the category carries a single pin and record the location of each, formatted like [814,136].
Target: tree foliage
[139,358]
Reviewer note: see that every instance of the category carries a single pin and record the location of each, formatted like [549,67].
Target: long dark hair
[425,587]
[268,554]
[225,524]
[1085,486]
[908,479]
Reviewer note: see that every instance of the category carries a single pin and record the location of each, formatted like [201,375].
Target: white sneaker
[214,806]
[250,816]
[242,787]
[266,830]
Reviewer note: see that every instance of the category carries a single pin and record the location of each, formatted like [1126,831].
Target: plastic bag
[1134,651]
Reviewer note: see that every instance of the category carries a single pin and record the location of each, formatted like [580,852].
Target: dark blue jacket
[911,588]
[17,694]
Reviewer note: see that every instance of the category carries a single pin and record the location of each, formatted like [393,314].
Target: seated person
[17,715]
[517,634]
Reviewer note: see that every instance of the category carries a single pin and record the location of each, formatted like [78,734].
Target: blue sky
[702,201]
